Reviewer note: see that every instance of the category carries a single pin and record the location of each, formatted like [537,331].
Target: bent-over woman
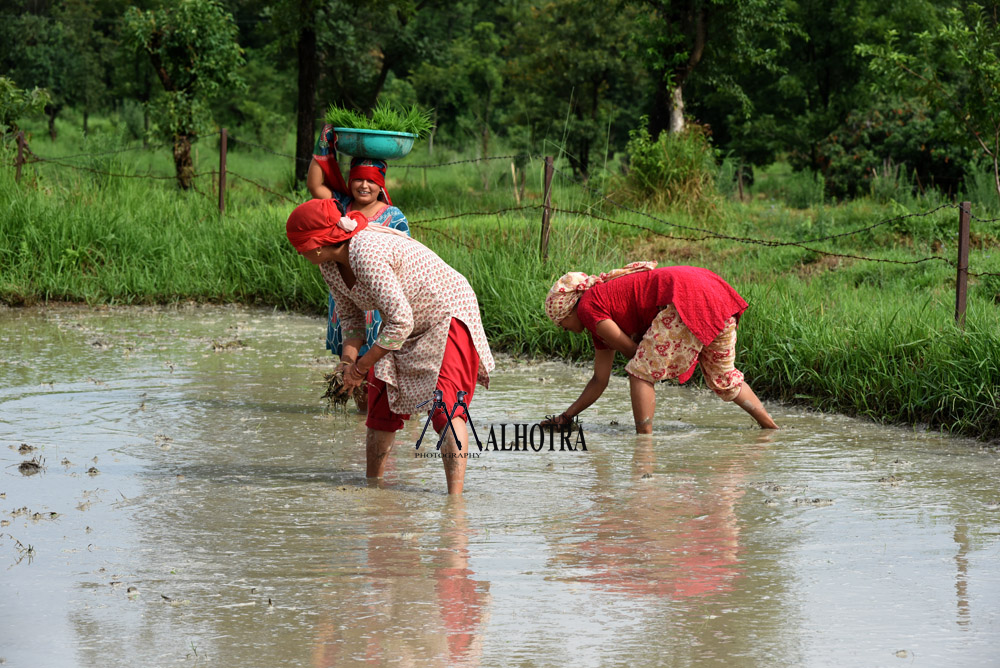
[431,336]
[364,192]
[665,322]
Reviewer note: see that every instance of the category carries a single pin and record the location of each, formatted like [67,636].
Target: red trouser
[459,370]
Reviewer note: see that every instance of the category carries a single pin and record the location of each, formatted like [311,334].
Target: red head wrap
[372,170]
[319,222]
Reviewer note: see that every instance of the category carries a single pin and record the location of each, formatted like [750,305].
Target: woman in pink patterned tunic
[431,337]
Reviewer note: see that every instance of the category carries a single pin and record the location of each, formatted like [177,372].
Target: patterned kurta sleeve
[377,274]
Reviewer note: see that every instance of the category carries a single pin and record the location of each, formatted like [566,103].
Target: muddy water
[172,492]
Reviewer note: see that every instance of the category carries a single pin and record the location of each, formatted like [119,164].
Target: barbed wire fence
[695,233]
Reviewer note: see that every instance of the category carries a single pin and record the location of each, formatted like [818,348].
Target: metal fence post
[20,156]
[223,141]
[962,280]
[546,209]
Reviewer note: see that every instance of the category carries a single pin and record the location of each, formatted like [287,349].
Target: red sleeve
[590,313]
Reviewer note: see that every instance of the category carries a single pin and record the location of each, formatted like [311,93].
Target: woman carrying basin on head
[364,192]
[431,336]
[664,321]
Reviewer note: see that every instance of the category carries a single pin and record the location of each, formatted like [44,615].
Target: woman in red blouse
[664,321]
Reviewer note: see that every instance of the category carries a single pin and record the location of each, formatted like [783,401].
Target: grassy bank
[863,337]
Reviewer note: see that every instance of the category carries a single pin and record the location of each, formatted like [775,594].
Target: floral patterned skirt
[669,348]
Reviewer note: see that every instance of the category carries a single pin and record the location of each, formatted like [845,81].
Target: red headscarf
[370,169]
[319,222]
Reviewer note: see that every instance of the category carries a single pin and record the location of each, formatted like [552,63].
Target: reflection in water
[962,573]
[405,574]
[463,602]
[239,512]
[674,535]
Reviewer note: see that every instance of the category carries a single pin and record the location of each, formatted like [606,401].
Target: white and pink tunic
[417,294]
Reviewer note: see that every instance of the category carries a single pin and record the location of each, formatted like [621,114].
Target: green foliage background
[770,80]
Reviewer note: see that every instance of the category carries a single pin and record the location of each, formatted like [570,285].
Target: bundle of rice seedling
[384,117]
[335,394]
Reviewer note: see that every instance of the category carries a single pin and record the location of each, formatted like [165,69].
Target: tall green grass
[875,339]
[899,358]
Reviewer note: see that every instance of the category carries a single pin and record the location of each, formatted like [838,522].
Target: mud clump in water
[813,502]
[335,394]
[32,466]
[222,346]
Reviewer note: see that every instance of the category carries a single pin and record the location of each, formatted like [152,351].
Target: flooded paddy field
[173,491]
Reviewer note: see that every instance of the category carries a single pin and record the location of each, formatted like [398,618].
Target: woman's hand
[357,373]
[342,366]
[353,377]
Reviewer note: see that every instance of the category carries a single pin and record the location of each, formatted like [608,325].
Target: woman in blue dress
[365,193]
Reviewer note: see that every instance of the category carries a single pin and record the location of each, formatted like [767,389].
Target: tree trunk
[659,115]
[694,26]
[308,75]
[579,159]
[677,109]
[52,111]
[182,161]
[996,173]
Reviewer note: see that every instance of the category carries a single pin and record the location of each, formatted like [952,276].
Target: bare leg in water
[455,459]
[643,395]
[644,405]
[378,444]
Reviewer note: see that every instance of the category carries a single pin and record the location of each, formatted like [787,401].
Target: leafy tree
[35,56]
[16,103]
[467,82]
[716,39]
[193,50]
[896,142]
[59,48]
[339,51]
[90,49]
[567,75]
[955,68]
[822,81]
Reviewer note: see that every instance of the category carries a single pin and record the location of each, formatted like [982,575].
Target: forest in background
[847,89]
